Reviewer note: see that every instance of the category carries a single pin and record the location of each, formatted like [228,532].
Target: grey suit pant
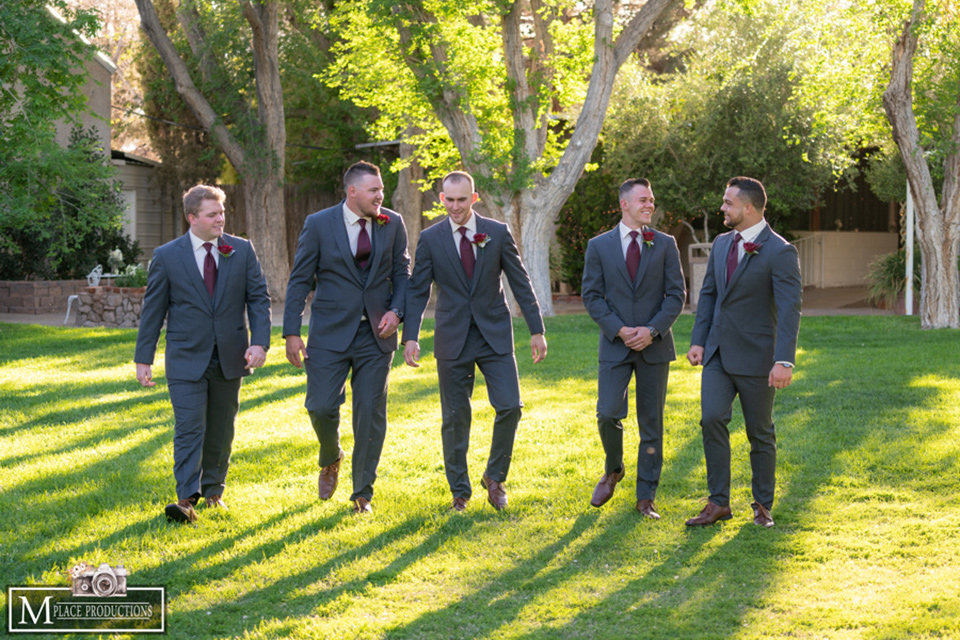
[326,391]
[204,413]
[457,378]
[651,390]
[717,392]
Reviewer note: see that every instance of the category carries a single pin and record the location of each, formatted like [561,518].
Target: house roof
[99,56]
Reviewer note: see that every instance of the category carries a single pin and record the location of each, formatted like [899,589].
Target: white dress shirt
[471,227]
[200,254]
[625,238]
[352,221]
[749,235]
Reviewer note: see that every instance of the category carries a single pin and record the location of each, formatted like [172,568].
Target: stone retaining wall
[110,306]
[37,296]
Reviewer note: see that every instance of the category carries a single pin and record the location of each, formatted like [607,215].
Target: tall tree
[515,92]
[235,93]
[935,134]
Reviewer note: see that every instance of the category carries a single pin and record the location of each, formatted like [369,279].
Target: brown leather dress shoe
[496,496]
[761,516]
[361,505]
[327,483]
[710,514]
[647,509]
[604,489]
[459,504]
[181,511]
[214,501]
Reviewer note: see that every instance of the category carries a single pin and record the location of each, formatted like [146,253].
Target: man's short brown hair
[194,196]
[358,169]
[458,176]
[751,190]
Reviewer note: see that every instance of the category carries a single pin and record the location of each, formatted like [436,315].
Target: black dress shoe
[181,511]
[604,489]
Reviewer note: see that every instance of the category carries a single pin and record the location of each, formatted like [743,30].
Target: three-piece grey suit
[348,304]
[206,342]
[745,327]
[654,298]
[473,329]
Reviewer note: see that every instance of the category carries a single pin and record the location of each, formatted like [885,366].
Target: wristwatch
[398,313]
[654,334]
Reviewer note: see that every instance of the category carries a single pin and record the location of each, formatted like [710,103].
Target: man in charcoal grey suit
[633,288]
[202,283]
[354,257]
[465,254]
[745,336]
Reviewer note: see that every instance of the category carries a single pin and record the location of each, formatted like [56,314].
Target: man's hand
[144,375]
[538,347]
[411,353]
[295,348]
[255,356]
[695,355]
[388,324]
[780,376]
[636,338]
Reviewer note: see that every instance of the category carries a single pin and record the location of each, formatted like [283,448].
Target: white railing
[811,253]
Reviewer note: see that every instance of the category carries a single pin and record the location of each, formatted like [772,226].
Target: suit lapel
[378,237]
[223,272]
[189,263]
[645,252]
[481,228]
[340,233]
[743,264]
[446,240]
[616,250]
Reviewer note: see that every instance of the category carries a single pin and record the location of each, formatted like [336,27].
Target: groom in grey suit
[633,288]
[202,283]
[745,336]
[465,254]
[353,256]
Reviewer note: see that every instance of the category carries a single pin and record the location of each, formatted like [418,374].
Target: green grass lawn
[867,542]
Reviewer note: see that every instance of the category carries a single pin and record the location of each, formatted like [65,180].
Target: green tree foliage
[758,93]
[57,207]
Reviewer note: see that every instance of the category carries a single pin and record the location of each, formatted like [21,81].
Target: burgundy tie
[363,245]
[633,255]
[733,257]
[209,269]
[466,253]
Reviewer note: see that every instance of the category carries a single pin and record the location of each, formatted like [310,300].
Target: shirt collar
[750,234]
[197,243]
[625,231]
[471,224]
[349,216]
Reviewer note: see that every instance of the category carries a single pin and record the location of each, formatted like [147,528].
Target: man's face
[458,199]
[736,210]
[637,207]
[366,195]
[207,224]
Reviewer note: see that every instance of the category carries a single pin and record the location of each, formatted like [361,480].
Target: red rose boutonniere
[226,250]
[480,239]
[648,238]
[382,219]
[752,247]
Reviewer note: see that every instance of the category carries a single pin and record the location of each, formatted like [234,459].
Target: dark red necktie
[466,253]
[633,255]
[733,257]
[363,245]
[209,269]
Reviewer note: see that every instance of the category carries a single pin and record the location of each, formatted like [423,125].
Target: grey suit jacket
[480,299]
[654,299]
[195,322]
[755,319]
[324,264]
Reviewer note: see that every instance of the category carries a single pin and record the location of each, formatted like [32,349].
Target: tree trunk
[267,228]
[938,227]
[408,200]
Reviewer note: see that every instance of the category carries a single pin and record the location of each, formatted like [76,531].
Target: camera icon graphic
[103,581]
